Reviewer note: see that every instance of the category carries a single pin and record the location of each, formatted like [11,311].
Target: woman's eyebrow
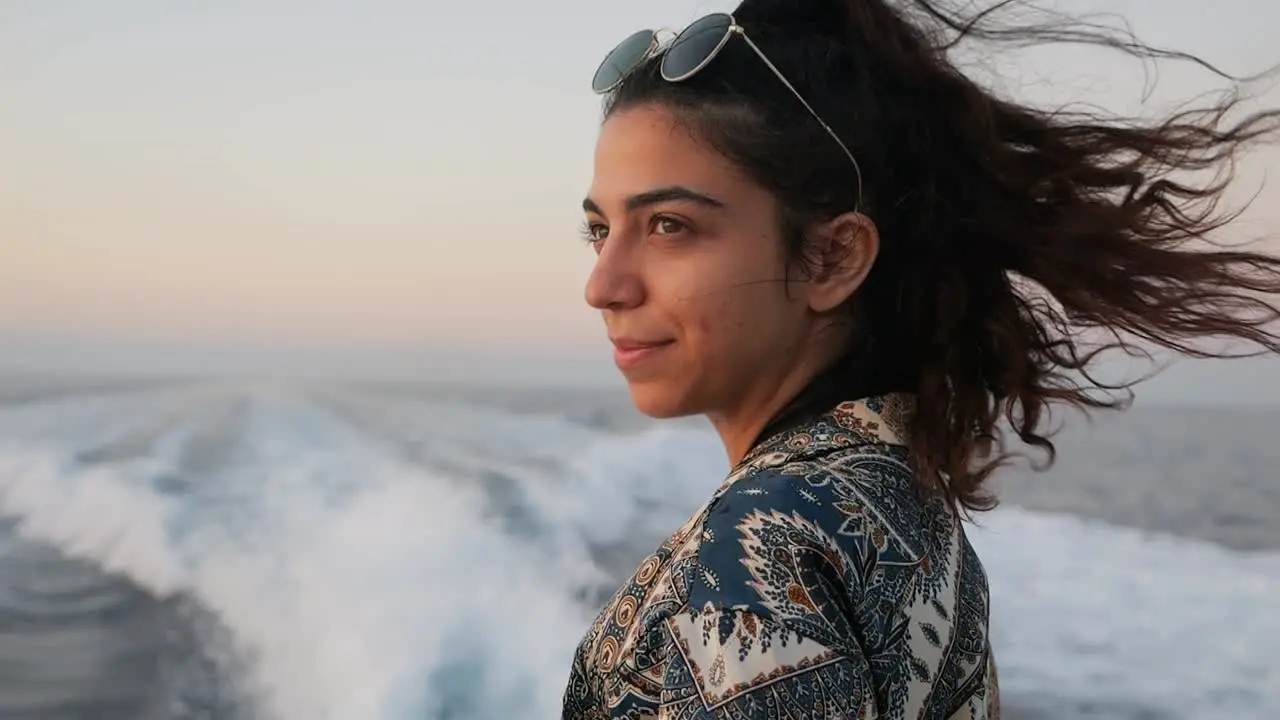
[659,195]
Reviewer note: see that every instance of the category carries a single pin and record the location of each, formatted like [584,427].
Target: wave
[387,558]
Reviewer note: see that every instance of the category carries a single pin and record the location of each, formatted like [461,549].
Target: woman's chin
[660,400]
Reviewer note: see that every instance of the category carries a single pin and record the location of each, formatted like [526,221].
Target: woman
[855,262]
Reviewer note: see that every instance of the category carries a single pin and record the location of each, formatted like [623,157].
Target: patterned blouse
[814,584]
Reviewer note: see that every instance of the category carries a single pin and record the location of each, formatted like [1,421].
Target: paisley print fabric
[815,583]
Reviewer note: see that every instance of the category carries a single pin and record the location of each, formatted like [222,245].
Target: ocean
[306,551]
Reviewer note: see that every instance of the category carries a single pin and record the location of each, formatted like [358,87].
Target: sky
[384,187]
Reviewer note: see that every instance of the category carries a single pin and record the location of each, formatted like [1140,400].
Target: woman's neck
[811,389]
[741,427]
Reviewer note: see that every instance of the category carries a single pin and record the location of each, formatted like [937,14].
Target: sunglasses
[685,56]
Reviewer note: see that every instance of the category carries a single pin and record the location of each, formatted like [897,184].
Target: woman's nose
[615,282]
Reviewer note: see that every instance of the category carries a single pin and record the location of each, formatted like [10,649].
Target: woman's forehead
[644,150]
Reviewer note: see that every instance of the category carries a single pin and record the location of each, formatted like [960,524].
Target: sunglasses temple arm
[857,169]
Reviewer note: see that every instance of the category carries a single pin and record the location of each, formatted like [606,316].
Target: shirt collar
[877,419]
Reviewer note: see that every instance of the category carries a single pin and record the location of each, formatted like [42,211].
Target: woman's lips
[629,354]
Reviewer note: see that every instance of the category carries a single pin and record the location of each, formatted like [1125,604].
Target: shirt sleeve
[735,664]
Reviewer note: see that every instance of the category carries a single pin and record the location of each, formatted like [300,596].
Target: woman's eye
[594,232]
[667,226]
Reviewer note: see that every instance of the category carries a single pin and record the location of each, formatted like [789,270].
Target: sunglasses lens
[694,46]
[621,60]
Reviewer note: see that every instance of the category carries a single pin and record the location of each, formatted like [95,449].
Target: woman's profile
[813,229]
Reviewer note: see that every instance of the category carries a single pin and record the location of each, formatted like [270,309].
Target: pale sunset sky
[320,186]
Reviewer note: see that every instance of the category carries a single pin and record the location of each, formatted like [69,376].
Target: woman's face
[689,273]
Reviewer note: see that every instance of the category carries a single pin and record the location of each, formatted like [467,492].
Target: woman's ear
[843,250]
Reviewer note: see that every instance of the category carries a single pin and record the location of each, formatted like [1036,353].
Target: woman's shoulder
[843,480]
[837,561]
[834,504]
[854,516]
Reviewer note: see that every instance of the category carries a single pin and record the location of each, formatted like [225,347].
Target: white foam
[354,606]
[1088,611]
[358,582]
[360,611]
[103,515]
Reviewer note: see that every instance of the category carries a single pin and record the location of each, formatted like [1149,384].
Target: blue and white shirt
[817,583]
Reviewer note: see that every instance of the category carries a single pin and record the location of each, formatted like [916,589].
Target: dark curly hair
[1009,235]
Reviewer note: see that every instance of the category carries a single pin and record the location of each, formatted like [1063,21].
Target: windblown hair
[1009,234]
